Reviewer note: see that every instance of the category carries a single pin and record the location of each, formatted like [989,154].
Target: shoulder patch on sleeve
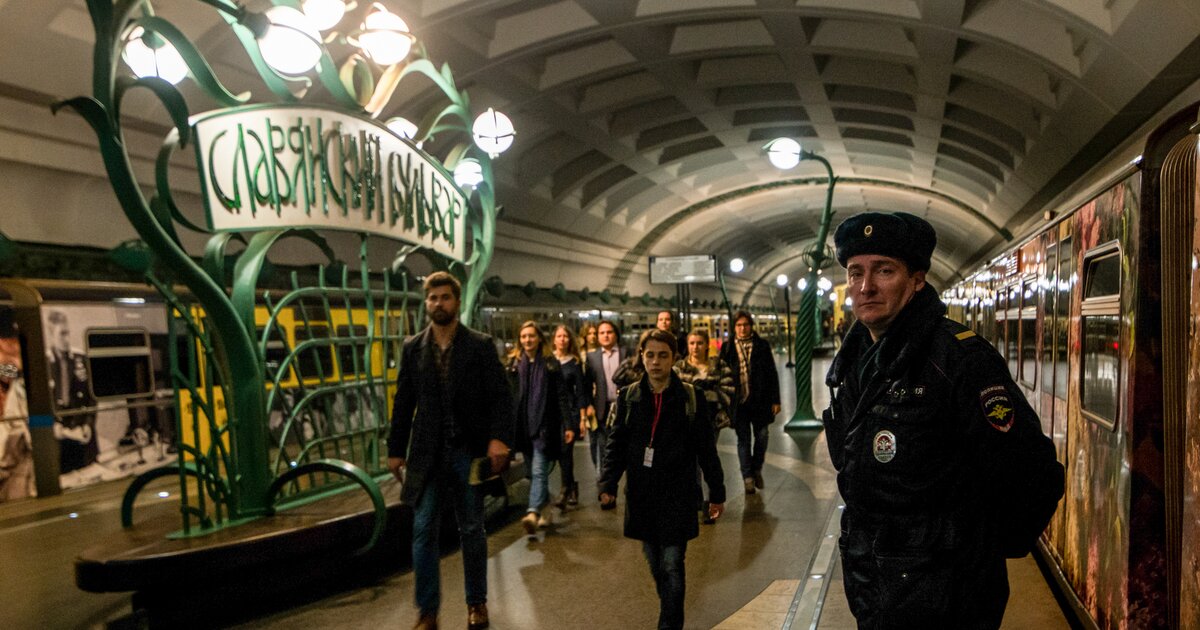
[966,334]
[997,407]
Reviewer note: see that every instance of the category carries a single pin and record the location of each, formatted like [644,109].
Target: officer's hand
[498,452]
[396,466]
[607,499]
[715,510]
[775,410]
[569,437]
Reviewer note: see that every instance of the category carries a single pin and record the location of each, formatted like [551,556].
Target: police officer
[941,462]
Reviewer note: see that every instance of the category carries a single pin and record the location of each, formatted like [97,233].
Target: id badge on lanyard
[648,457]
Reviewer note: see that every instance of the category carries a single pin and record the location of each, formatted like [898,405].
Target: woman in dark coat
[660,434]
[542,413]
[567,354]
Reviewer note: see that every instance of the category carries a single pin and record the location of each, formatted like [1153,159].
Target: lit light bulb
[493,132]
[833,298]
[803,284]
[783,153]
[158,58]
[824,284]
[849,301]
[737,265]
[781,280]
[325,14]
[468,173]
[385,36]
[291,45]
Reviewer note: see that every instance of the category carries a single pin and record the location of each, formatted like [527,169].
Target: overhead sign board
[683,269]
[272,167]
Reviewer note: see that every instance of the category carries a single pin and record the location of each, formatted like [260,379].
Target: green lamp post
[786,153]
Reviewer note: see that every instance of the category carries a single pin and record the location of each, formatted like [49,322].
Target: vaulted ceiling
[640,123]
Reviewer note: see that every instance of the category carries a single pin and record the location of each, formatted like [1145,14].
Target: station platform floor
[769,562]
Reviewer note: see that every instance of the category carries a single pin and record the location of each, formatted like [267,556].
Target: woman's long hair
[703,334]
[544,349]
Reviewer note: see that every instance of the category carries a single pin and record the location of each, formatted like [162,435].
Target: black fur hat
[897,234]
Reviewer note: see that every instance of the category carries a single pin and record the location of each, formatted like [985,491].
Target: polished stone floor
[767,563]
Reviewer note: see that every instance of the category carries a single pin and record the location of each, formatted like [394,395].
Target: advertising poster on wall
[16,446]
[110,419]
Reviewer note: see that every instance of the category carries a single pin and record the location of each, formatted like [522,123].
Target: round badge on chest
[885,446]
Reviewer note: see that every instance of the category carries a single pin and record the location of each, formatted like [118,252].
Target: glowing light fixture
[781,280]
[803,284]
[833,298]
[325,14]
[493,132]
[737,265]
[783,153]
[291,44]
[849,301]
[824,284]
[149,55]
[468,173]
[385,36]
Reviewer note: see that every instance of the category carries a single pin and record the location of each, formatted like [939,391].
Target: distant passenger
[757,396]
[545,417]
[712,376]
[661,433]
[665,321]
[452,407]
[590,341]
[603,363]
[941,462]
[567,354]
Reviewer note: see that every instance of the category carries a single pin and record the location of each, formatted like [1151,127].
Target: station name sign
[683,269]
[273,167]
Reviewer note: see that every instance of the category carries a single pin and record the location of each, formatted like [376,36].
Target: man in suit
[757,396]
[602,366]
[452,406]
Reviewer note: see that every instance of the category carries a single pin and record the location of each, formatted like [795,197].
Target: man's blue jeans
[666,565]
[751,457]
[448,482]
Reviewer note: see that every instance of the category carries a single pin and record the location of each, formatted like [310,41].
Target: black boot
[572,493]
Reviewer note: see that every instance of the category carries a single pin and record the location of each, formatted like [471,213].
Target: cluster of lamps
[290,41]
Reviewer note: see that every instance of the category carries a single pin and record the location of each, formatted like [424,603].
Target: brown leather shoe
[477,616]
[748,482]
[427,621]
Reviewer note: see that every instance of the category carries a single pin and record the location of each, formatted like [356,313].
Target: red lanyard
[658,401]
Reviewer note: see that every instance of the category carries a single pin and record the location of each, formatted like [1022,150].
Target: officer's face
[664,321]
[441,305]
[879,287]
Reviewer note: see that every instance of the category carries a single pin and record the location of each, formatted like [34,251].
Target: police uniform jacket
[934,445]
[557,410]
[475,409]
[660,499]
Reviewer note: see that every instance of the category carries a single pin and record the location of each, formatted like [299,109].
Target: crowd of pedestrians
[940,460]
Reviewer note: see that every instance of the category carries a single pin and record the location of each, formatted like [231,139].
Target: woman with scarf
[713,377]
[544,418]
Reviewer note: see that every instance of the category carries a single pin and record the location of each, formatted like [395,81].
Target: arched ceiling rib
[641,122]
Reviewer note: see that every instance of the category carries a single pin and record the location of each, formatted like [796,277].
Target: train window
[1028,319]
[352,342]
[1100,387]
[275,352]
[1012,334]
[1062,316]
[1048,292]
[120,363]
[317,361]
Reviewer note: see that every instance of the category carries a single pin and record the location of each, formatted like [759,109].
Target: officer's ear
[919,280]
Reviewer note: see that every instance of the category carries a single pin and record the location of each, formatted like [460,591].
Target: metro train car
[1093,314]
